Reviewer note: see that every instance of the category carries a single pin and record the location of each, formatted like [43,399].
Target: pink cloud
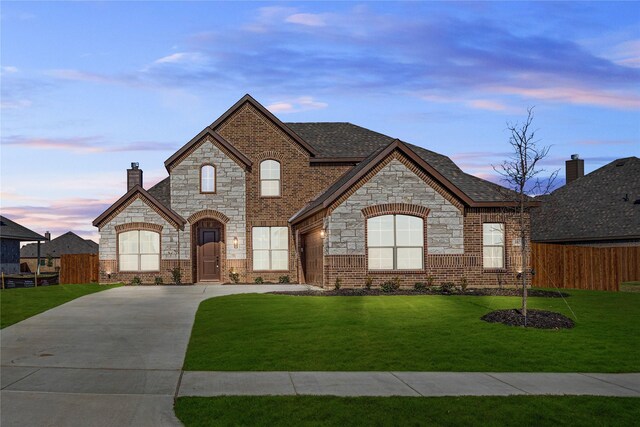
[303,103]
[602,98]
[89,144]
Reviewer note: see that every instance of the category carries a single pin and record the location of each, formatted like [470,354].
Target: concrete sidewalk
[407,384]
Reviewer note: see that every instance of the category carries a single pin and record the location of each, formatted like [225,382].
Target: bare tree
[521,173]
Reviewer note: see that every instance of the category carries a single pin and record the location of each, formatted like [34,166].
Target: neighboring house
[52,251]
[601,208]
[11,234]
[313,201]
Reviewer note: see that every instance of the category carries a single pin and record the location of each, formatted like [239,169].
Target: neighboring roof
[215,135]
[168,212]
[602,205]
[471,190]
[162,192]
[68,243]
[340,140]
[14,231]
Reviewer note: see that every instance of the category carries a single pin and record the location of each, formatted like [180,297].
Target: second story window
[270,178]
[208,179]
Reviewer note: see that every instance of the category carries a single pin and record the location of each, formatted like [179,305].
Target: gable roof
[212,131]
[172,216]
[217,137]
[471,190]
[68,243]
[592,207]
[14,231]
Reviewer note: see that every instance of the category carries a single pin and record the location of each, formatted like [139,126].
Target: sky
[89,87]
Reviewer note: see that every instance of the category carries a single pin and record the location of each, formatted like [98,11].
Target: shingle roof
[68,243]
[162,192]
[12,230]
[602,205]
[340,139]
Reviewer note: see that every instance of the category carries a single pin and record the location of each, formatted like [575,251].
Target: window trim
[271,180]
[503,246]
[215,178]
[395,247]
[138,230]
[269,250]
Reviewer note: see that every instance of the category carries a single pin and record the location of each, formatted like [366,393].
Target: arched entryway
[208,236]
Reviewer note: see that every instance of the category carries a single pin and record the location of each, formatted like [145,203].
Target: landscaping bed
[541,319]
[511,292]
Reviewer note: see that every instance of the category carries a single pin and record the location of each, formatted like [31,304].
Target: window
[139,250]
[270,178]
[208,179]
[395,242]
[270,248]
[42,261]
[493,245]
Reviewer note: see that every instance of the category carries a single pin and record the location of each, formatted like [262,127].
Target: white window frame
[497,228]
[276,180]
[395,245]
[138,252]
[269,249]
[212,178]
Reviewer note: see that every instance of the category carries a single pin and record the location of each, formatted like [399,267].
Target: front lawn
[411,333]
[22,303]
[416,411]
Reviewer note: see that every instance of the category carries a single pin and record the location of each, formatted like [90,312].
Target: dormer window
[208,179]
[270,178]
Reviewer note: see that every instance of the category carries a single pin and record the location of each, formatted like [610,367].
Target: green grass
[630,287]
[518,411]
[22,303]
[423,333]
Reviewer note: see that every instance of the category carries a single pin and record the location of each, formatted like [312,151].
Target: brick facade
[327,246]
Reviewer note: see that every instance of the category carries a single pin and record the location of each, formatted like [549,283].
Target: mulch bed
[540,319]
[470,292]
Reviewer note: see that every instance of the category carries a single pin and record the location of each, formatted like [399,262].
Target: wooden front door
[209,254]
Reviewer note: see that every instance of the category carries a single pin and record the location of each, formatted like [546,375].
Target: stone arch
[396,209]
[208,213]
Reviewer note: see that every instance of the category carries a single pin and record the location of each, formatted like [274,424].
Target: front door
[209,254]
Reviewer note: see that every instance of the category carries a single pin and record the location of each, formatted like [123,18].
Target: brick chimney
[574,168]
[47,235]
[134,176]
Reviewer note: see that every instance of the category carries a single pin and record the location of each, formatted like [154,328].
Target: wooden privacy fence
[584,267]
[79,268]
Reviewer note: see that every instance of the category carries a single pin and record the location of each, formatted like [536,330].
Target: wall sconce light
[235,242]
[323,233]
[108,275]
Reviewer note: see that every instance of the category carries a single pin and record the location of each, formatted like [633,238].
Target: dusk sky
[88,88]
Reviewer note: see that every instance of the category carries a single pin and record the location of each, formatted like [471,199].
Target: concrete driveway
[113,358]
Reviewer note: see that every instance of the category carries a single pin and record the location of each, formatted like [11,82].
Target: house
[601,208]
[315,202]
[11,234]
[52,251]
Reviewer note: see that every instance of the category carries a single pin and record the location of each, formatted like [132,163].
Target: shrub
[368,282]
[158,280]
[284,279]
[176,275]
[136,281]
[464,284]
[430,281]
[49,261]
[258,280]
[338,283]
[447,287]
[391,285]
[420,286]
[234,276]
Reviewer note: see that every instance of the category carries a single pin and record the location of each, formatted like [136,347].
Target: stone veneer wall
[229,198]
[170,240]
[395,183]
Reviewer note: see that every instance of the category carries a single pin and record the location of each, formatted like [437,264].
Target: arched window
[395,242]
[208,179]
[270,178]
[139,250]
